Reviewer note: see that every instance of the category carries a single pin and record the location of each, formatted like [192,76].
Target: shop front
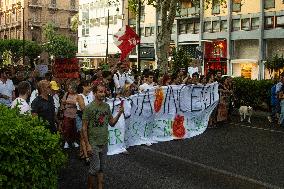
[215,56]
[246,68]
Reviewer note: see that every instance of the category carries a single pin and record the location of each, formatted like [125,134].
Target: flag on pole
[126,39]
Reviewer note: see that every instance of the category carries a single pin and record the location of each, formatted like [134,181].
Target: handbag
[61,110]
[281,95]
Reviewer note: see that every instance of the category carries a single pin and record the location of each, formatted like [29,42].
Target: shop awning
[244,61]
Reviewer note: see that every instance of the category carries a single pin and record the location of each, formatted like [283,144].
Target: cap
[54,86]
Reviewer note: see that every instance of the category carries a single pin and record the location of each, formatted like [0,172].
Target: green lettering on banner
[110,137]
[168,127]
[134,129]
[148,129]
[117,134]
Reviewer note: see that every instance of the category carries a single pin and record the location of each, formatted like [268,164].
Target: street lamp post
[23,8]
[106,58]
[139,34]
[107,36]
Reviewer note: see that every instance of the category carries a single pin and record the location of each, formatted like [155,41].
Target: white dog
[245,111]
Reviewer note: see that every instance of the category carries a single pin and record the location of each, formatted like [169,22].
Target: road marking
[266,185]
[259,128]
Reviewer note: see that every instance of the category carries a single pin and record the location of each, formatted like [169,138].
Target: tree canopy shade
[58,45]
[14,48]
[75,22]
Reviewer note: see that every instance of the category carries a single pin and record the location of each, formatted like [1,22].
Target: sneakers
[66,145]
[76,145]
[125,152]
[269,119]
[148,144]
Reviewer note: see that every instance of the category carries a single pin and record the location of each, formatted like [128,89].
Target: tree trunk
[167,9]
[162,53]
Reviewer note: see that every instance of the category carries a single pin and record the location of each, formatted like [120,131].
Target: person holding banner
[96,118]
[120,78]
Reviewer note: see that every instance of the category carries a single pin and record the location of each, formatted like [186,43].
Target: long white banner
[162,114]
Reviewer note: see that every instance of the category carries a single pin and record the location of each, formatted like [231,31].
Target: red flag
[126,39]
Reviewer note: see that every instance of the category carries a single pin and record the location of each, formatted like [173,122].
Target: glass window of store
[245,24]
[236,5]
[280,21]
[173,29]
[159,29]
[269,22]
[269,4]
[236,25]
[85,20]
[207,26]
[255,23]
[142,18]
[215,7]
[142,31]
[216,26]
[196,27]
[190,27]
[152,30]
[223,26]
[147,31]
[182,28]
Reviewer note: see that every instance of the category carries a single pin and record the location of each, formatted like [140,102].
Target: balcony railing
[53,6]
[35,23]
[132,21]
[188,12]
[73,9]
[18,23]
[35,4]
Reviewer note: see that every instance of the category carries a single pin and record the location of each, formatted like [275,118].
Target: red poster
[66,68]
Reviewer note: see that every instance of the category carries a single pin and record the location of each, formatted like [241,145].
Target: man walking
[7,88]
[24,89]
[96,118]
[43,105]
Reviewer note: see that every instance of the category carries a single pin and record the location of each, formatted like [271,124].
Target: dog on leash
[245,111]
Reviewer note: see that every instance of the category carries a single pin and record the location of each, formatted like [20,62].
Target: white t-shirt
[145,87]
[278,87]
[56,101]
[22,104]
[33,96]
[121,79]
[7,89]
[91,96]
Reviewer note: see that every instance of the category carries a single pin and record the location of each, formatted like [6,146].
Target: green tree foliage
[58,45]
[252,92]
[13,49]
[181,59]
[75,22]
[30,155]
[33,50]
[275,64]
[167,10]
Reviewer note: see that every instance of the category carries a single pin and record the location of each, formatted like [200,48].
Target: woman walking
[69,102]
[83,99]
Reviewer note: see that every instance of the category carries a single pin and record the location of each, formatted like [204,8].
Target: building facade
[236,37]
[98,22]
[25,19]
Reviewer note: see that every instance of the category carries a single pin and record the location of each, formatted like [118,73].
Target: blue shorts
[78,123]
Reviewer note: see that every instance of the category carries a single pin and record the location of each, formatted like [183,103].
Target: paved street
[237,155]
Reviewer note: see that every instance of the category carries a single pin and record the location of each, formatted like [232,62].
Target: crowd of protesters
[68,105]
